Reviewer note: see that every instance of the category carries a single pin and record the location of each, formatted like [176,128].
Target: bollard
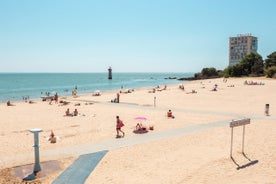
[37,167]
[267,109]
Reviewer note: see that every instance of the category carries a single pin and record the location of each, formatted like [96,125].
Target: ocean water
[15,86]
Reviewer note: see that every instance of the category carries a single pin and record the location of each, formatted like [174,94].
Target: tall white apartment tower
[240,46]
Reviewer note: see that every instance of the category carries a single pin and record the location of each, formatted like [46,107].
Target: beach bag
[121,124]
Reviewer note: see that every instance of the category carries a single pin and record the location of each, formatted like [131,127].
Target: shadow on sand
[251,162]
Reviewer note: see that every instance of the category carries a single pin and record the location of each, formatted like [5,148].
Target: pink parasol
[140,118]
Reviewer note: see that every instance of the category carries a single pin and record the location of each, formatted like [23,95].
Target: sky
[129,35]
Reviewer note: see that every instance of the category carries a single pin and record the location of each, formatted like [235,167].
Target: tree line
[251,65]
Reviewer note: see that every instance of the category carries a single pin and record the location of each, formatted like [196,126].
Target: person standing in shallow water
[56,98]
[119,125]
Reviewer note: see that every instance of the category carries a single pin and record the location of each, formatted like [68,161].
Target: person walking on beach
[119,125]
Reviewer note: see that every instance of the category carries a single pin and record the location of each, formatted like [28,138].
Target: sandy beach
[164,155]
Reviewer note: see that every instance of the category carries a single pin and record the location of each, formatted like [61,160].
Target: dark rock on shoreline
[187,78]
[170,78]
[198,78]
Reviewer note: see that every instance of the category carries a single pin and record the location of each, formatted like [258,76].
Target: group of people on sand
[182,87]
[253,83]
[10,104]
[75,113]
[158,88]
[127,91]
[161,89]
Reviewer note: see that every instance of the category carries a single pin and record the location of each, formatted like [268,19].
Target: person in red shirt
[119,125]
[169,114]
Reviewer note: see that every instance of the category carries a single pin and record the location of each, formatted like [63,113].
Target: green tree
[252,64]
[237,70]
[233,71]
[271,60]
[209,72]
[228,71]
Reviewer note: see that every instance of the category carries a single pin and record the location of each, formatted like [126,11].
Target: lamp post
[37,167]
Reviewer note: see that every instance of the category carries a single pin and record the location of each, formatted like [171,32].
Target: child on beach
[169,114]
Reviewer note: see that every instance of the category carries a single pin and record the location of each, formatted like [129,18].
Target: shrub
[271,72]
[209,72]
[226,75]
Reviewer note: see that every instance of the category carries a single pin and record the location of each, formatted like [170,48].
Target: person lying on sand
[193,92]
[62,102]
[152,91]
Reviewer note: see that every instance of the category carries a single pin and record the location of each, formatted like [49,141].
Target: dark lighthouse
[110,73]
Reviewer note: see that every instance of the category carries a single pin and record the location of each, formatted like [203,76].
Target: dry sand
[198,157]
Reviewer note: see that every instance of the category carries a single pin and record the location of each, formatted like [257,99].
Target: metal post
[243,139]
[267,109]
[231,142]
[37,167]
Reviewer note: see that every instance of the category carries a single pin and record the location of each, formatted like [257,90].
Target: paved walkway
[80,169]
